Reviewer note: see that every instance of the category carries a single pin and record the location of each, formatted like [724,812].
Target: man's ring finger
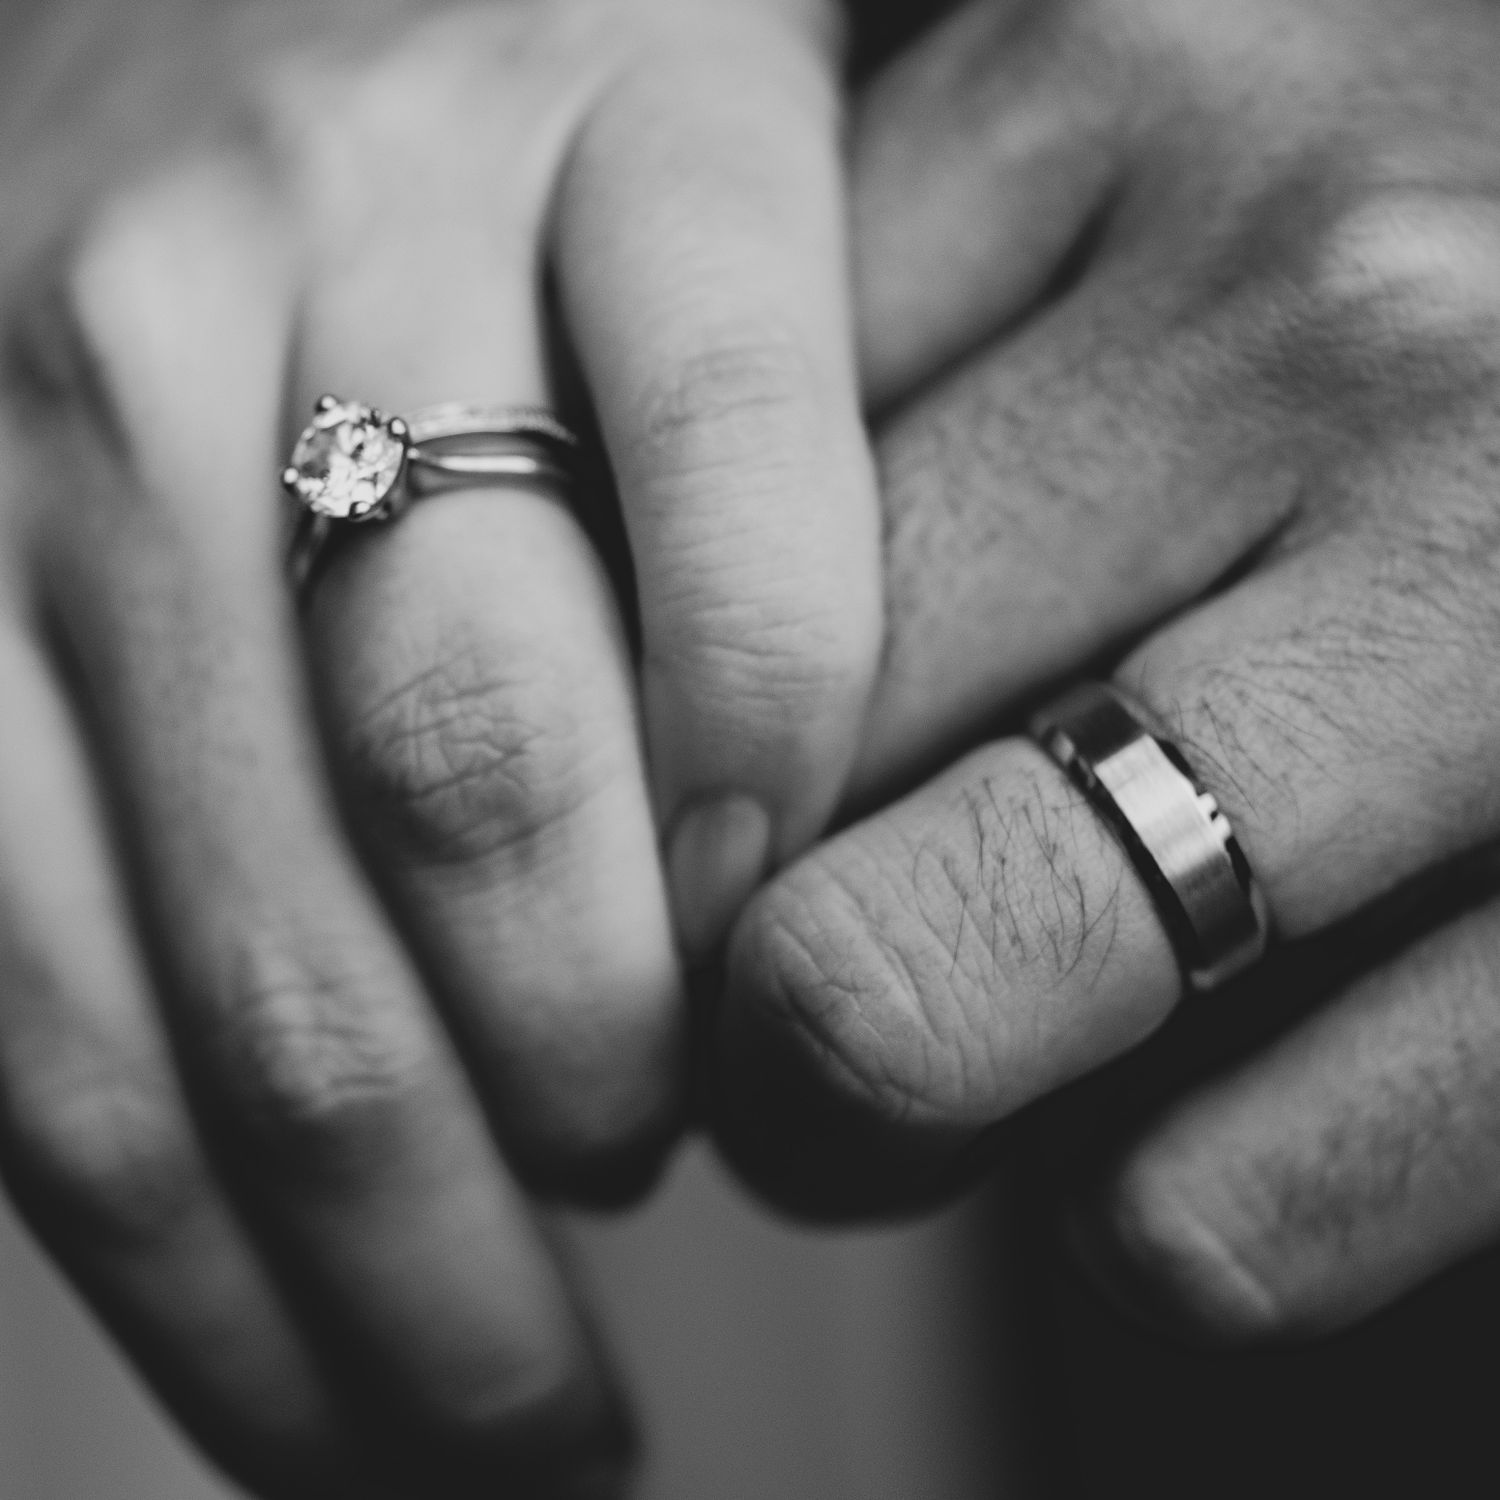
[1173,830]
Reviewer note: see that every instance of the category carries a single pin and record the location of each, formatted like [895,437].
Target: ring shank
[1179,841]
[479,419]
[468,443]
[432,471]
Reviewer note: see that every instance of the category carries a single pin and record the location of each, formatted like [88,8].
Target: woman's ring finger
[353,464]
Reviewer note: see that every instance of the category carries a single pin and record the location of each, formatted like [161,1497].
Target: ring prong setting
[355,464]
[347,461]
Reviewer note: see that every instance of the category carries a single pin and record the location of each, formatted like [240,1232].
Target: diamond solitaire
[348,461]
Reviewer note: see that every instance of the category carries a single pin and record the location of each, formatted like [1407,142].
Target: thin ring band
[430,472]
[353,465]
[1173,830]
[466,443]
[458,419]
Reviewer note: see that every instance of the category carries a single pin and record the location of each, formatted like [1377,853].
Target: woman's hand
[262,1096]
[1203,302]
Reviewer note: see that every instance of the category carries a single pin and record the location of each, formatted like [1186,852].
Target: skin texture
[1182,374]
[321,936]
[1185,324]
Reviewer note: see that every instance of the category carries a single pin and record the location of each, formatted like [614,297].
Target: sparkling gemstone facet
[346,462]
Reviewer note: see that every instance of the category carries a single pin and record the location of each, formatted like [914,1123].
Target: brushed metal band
[1177,838]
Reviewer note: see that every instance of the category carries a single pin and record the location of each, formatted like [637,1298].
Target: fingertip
[810,1098]
[1166,1262]
[718,850]
[751,744]
[772,1114]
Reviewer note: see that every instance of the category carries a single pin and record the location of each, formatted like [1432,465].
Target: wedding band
[1173,830]
[466,443]
[353,464]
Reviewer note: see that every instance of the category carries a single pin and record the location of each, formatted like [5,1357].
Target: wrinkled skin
[1185,319]
[1182,320]
[289,1017]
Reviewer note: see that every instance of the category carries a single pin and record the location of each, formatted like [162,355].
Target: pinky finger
[1333,1173]
[98,1146]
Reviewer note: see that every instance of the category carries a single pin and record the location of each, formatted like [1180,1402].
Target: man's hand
[1202,306]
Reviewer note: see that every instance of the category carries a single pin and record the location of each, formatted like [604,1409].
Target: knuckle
[535,1403]
[778,670]
[1268,722]
[1390,297]
[1183,1263]
[318,1058]
[121,277]
[476,755]
[336,117]
[99,322]
[739,411]
[1420,262]
[54,367]
[102,1154]
[770,619]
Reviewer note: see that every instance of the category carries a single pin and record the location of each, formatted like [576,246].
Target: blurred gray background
[768,1363]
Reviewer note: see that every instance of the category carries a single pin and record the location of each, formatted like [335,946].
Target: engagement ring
[354,465]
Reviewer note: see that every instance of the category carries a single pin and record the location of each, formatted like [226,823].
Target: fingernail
[1088,1237]
[718,853]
